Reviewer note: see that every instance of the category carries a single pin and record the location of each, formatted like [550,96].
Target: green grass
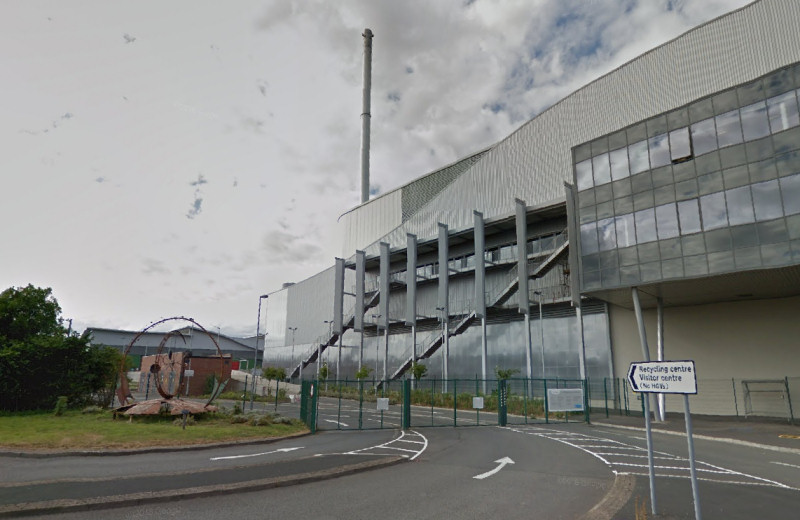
[74,430]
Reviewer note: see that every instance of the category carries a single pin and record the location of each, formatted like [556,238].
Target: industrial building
[668,188]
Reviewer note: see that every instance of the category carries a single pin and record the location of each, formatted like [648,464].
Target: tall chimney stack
[365,115]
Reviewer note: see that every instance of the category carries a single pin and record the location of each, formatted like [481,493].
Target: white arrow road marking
[285,450]
[502,463]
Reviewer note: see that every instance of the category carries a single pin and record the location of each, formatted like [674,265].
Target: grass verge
[77,431]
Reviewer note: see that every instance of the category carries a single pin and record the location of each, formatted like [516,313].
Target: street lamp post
[293,329]
[255,354]
[327,343]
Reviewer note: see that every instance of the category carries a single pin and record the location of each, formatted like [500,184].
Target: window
[783,112]
[639,161]
[583,174]
[645,225]
[689,214]
[602,170]
[667,221]
[589,238]
[704,137]
[679,145]
[713,209]
[755,123]
[659,150]
[626,232]
[767,200]
[790,189]
[729,129]
[619,164]
[606,234]
[740,206]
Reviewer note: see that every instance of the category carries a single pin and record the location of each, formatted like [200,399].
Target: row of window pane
[696,265]
[743,205]
[741,125]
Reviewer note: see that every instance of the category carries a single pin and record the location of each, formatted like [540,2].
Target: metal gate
[367,404]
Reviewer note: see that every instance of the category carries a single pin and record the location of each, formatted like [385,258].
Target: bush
[61,406]
[92,409]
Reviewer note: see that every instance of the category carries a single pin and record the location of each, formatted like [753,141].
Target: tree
[39,362]
[418,370]
[270,373]
[323,372]
[26,312]
[363,372]
[505,373]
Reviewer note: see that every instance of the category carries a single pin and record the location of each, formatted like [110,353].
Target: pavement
[765,433]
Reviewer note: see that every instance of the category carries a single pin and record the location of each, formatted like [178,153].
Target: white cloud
[247,122]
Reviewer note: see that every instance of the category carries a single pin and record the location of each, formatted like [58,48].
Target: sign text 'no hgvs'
[663,377]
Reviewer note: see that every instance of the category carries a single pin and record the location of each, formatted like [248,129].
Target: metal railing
[777,398]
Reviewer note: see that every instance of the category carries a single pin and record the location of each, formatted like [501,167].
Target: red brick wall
[203,368]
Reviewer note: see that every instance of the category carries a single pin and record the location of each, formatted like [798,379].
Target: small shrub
[238,419]
[61,406]
[237,409]
[260,420]
[190,421]
[92,409]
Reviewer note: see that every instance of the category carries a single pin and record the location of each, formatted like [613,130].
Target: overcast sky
[164,158]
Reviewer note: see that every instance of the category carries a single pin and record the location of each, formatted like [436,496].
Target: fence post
[502,411]
[789,400]
[455,402]
[244,395]
[546,404]
[407,404]
[339,410]
[586,404]
[360,403]
[605,394]
[525,400]
[735,401]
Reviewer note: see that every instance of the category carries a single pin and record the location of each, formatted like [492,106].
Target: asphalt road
[558,471]
[546,480]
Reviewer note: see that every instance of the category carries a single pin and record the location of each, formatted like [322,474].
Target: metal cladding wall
[534,162]
[370,221]
[310,303]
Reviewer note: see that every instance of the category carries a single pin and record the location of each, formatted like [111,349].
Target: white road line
[336,422]
[548,434]
[388,445]
[785,464]
[256,454]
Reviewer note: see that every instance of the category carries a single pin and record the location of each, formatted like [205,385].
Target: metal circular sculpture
[165,363]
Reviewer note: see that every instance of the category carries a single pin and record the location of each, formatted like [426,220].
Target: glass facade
[506,349]
[708,188]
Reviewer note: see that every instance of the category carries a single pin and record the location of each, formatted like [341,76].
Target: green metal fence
[350,404]
[308,404]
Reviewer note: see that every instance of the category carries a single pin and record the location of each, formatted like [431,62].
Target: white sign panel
[188,373]
[565,399]
[383,403]
[663,377]
[477,403]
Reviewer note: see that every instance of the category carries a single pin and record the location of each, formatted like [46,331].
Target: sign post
[667,377]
